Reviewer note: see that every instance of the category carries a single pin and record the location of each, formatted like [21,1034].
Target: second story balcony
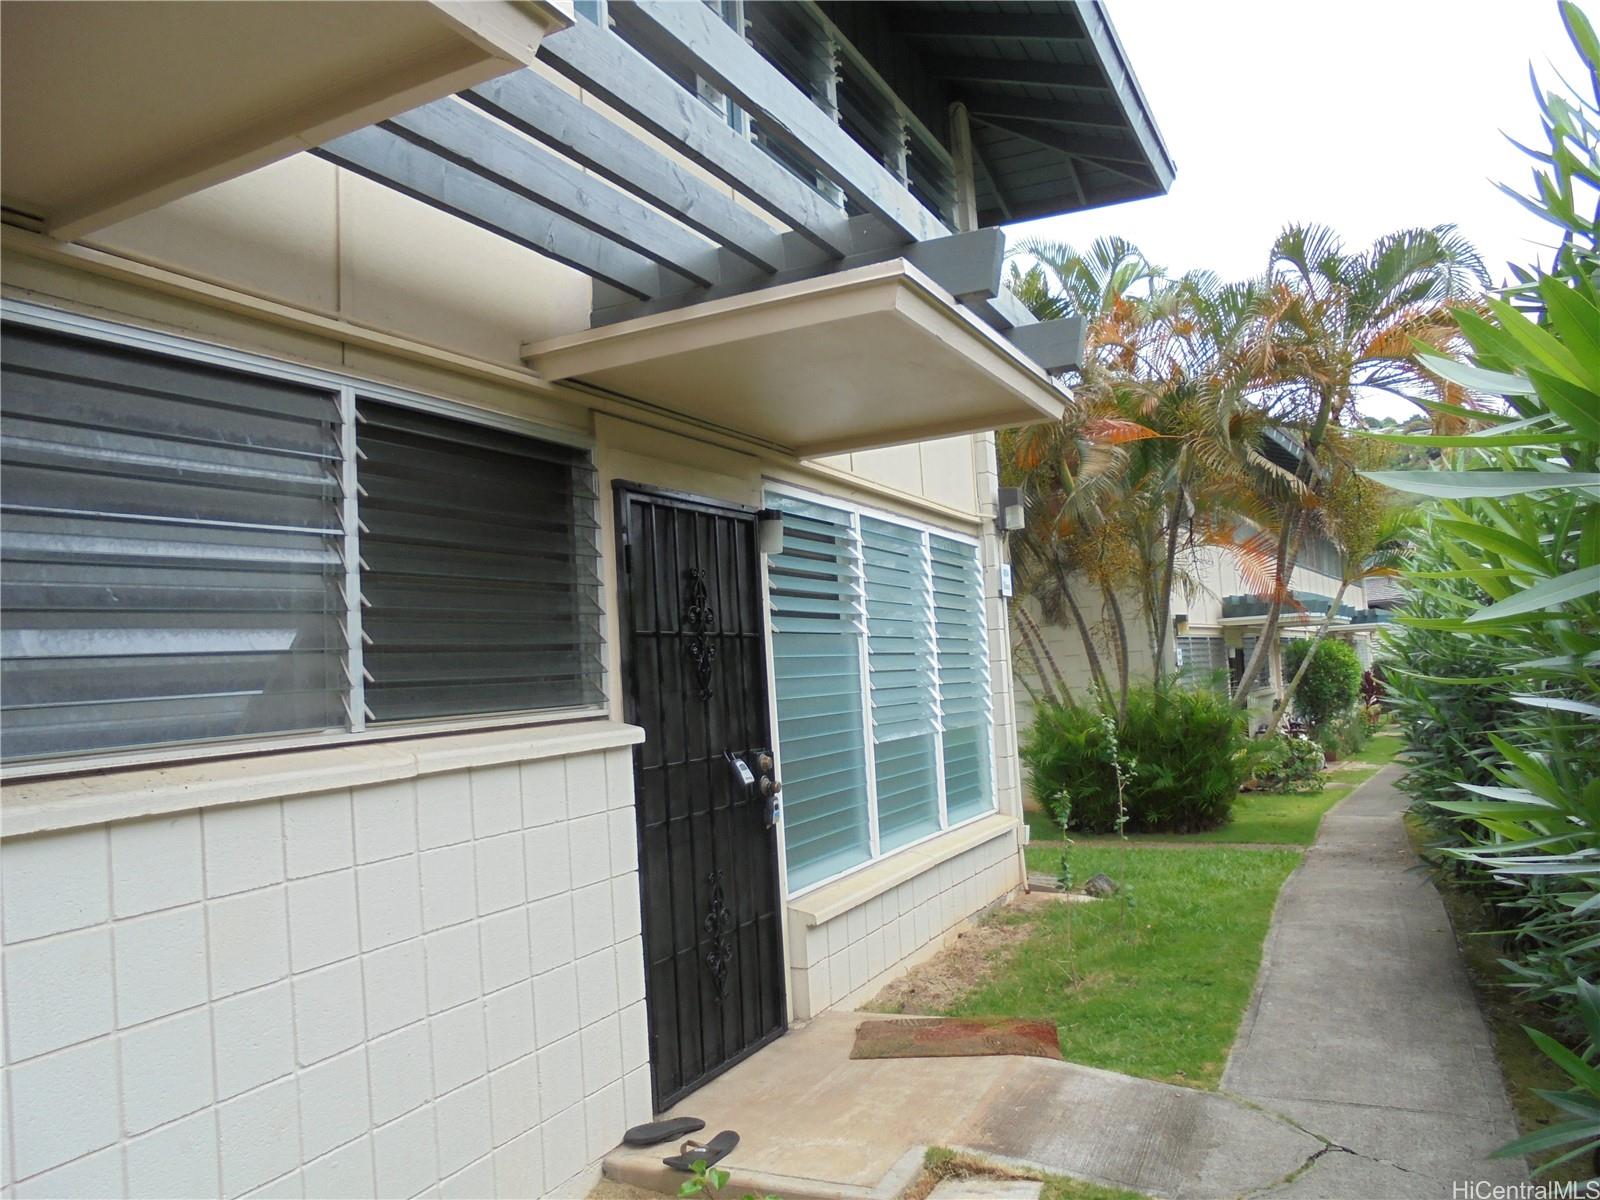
[741,181]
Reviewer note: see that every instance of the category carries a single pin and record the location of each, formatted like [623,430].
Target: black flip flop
[713,1152]
[661,1131]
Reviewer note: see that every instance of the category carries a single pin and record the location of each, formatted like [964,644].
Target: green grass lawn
[941,1163]
[1380,750]
[1157,990]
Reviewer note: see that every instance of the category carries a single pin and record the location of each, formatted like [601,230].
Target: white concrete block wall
[429,987]
[843,962]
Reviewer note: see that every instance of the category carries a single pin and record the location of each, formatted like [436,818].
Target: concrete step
[641,1167]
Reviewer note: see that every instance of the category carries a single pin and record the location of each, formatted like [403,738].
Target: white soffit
[110,109]
[875,356]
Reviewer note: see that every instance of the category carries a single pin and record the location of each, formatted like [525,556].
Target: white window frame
[856,511]
[346,387]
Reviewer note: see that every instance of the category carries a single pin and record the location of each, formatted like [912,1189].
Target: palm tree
[1072,470]
[1157,416]
[1332,324]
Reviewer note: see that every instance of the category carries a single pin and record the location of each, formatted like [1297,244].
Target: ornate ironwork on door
[692,623]
[699,622]
[719,928]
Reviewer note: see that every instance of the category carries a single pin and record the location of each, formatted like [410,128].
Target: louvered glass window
[480,568]
[881,673]
[963,675]
[179,561]
[814,588]
[172,551]
[900,668]
[1202,662]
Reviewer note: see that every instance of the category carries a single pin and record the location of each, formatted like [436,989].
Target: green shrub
[1188,753]
[1343,735]
[1333,681]
[1288,764]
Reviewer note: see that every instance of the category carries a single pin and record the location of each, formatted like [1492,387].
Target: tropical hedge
[1179,756]
[1496,664]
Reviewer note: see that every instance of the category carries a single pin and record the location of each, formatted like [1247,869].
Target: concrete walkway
[1364,1027]
[815,1123]
[1362,1071]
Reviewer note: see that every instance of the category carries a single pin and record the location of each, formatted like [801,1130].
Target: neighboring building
[1217,618]
[427,543]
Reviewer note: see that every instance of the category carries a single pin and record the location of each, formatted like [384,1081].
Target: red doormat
[956,1037]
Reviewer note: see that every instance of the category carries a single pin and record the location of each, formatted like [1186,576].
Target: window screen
[173,560]
[172,551]
[480,568]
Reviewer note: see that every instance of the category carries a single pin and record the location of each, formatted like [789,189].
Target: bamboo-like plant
[1513,555]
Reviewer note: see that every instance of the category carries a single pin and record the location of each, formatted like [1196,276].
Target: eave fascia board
[878,287]
[1125,86]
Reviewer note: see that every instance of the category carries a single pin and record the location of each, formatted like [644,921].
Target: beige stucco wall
[325,240]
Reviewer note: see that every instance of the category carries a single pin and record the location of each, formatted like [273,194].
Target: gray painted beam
[1055,345]
[538,108]
[614,71]
[968,265]
[1052,112]
[981,161]
[1003,311]
[1028,27]
[732,65]
[470,139]
[387,158]
[1069,141]
[996,70]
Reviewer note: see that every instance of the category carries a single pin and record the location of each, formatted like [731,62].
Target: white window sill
[833,899]
[45,804]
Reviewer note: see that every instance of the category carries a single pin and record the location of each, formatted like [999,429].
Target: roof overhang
[1059,122]
[875,356]
[111,109]
[1287,619]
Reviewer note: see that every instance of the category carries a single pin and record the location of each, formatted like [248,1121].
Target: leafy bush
[1288,764]
[1343,735]
[1333,681]
[1444,718]
[1188,753]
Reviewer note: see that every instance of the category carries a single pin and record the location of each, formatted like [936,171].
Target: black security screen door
[694,669]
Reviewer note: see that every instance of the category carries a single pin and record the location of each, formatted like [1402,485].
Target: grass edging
[940,1163]
[1523,1068]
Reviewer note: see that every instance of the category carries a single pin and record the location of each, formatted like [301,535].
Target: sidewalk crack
[1329,1146]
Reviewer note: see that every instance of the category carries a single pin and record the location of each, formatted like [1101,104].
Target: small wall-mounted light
[1010,516]
[769,531]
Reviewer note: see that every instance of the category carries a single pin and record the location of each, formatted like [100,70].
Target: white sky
[1365,115]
